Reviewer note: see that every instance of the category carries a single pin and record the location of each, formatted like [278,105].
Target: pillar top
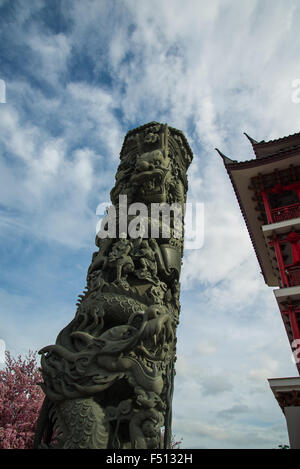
[286,391]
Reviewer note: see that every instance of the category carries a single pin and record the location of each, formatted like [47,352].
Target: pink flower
[20,401]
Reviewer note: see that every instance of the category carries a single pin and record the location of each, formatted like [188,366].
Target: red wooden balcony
[293,275]
[286,213]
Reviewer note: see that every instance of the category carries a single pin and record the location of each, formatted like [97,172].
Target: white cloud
[205,348]
[214,70]
[227,435]
[51,54]
[270,367]
[213,385]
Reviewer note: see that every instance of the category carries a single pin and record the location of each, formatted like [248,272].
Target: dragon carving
[108,379]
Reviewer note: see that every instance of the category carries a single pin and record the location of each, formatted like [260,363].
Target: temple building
[268,192]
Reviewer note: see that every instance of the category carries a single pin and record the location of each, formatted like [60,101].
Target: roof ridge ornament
[251,140]
[225,158]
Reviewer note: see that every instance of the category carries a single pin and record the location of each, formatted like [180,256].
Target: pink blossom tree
[20,401]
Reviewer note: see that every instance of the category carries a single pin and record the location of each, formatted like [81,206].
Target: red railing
[286,213]
[293,277]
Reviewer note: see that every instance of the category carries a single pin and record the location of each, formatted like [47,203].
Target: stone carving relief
[109,377]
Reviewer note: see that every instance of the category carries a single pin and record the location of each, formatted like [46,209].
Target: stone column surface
[109,377]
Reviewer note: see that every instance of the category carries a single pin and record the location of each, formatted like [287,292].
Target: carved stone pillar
[109,377]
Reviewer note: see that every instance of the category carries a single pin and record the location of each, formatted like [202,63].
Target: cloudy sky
[75,77]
